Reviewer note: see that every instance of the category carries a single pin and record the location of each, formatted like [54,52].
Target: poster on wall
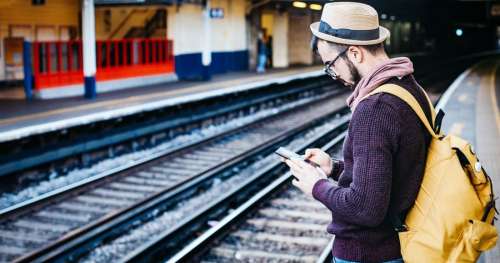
[13,58]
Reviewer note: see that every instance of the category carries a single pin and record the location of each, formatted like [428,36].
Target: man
[386,145]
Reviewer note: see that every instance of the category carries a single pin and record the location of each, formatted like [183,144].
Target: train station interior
[145,130]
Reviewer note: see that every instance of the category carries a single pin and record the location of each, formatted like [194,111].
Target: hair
[372,49]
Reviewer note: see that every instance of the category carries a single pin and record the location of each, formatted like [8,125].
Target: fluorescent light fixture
[315,7]
[459,32]
[299,4]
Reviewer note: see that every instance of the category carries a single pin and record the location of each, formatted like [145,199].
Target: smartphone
[288,154]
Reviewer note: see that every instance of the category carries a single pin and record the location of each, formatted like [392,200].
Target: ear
[356,54]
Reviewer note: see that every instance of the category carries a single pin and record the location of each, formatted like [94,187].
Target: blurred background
[175,36]
[145,130]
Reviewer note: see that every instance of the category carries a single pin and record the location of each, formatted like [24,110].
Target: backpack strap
[406,96]
[431,108]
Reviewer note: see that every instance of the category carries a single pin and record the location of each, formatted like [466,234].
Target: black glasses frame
[329,64]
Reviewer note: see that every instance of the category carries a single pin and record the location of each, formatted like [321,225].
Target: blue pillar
[90,89]
[28,71]
[205,73]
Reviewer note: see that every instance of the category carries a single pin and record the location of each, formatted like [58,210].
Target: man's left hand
[306,175]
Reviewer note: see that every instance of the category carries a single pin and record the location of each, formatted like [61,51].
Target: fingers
[309,153]
[295,164]
[315,152]
[292,164]
[312,152]
[294,169]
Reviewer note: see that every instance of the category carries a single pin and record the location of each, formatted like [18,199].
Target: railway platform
[22,118]
[471,105]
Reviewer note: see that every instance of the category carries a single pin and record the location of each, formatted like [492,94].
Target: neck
[372,63]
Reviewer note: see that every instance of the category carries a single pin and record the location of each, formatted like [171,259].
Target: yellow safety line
[122,101]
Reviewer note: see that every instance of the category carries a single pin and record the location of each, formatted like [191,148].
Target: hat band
[369,34]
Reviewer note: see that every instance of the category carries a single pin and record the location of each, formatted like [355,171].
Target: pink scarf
[394,67]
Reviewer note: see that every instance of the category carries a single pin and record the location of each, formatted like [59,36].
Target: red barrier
[58,63]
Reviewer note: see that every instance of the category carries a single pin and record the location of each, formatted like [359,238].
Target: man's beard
[355,76]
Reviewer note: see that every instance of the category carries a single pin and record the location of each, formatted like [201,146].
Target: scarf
[394,67]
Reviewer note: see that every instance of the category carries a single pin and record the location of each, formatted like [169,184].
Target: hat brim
[384,34]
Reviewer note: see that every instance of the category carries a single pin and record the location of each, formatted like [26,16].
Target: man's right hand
[321,158]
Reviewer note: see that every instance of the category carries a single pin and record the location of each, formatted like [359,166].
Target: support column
[27,67]
[207,52]
[88,42]
[280,40]
[252,24]
[299,51]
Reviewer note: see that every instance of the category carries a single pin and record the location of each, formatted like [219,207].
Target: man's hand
[306,175]
[321,158]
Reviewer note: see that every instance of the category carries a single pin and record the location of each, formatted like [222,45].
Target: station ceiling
[472,13]
[459,11]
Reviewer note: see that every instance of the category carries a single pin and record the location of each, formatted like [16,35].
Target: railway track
[290,227]
[39,158]
[74,218]
[278,224]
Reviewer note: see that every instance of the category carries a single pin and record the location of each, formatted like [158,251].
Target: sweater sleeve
[375,131]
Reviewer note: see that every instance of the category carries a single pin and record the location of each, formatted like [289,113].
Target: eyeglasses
[329,64]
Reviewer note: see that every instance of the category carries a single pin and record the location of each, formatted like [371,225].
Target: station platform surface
[20,118]
[471,105]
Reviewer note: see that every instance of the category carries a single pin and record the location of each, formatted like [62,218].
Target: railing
[57,63]
[133,57]
[60,63]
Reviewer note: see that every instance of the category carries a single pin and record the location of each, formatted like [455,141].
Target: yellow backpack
[452,218]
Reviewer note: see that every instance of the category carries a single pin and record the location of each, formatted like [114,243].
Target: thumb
[309,153]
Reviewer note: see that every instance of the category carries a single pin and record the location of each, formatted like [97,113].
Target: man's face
[347,72]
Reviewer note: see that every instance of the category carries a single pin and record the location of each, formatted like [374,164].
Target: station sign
[217,13]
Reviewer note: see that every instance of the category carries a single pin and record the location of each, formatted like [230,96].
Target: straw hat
[349,23]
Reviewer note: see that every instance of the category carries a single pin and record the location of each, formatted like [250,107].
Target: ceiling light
[299,4]
[315,7]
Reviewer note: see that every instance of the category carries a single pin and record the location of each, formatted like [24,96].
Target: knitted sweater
[384,158]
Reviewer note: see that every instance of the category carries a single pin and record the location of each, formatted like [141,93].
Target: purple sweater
[384,158]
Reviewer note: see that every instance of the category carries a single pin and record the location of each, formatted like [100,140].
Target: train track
[73,219]
[278,224]
[171,230]
[288,228]
[36,159]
